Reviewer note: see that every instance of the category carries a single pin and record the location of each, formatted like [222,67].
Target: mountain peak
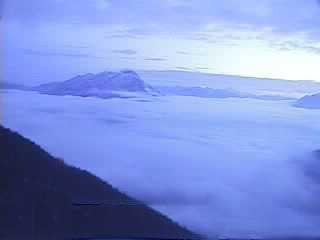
[102,84]
[309,101]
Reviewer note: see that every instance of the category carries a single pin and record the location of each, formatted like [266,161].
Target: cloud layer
[224,167]
[267,38]
[284,15]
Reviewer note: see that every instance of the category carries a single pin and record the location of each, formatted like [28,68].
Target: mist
[223,167]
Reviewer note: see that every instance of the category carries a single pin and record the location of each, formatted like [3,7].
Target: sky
[56,39]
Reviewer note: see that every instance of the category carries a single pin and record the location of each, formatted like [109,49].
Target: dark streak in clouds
[204,38]
[183,53]
[128,57]
[155,59]
[292,45]
[184,68]
[132,33]
[312,49]
[310,165]
[140,31]
[45,53]
[61,47]
[125,52]
[203,68]
[71,46]
[121,35]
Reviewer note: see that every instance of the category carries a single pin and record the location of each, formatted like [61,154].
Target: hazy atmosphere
[208,111]
[269,38]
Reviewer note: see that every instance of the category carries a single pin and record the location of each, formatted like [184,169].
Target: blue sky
[266,38]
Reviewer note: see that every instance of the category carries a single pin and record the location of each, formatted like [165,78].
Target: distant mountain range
[43,198]
[104,85]
[257,86]
[205,92]
[309,101]
[128,84]
[6,85]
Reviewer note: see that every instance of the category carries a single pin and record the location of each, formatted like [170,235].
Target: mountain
[6,85]
[309,101]
[104,85]
[43,198]
[206,92]
[258,86]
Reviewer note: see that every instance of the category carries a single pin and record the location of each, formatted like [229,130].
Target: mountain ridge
[45,198]
[104,85]
[309,101]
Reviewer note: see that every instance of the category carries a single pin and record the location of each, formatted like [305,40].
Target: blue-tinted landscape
[203,114]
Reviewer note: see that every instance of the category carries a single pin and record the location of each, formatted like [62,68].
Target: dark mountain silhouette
[41,197]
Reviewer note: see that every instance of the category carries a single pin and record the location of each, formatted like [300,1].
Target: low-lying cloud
[46,53]
[224,167]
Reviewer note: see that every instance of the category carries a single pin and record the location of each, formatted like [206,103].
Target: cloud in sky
[284,15]
[125,51]
[184,68]
[58,54]
[233,37]
[183,53]
[296,45]
[156,59]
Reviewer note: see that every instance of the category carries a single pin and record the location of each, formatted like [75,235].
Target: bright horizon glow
[256,41]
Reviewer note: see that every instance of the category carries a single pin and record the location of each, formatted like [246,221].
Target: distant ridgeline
[128,84]
[43,198]
[103,85]
[309,101]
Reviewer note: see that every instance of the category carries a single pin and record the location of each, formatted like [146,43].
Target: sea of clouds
[223,167]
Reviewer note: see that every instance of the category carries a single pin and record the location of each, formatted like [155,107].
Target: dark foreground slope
[43,198]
